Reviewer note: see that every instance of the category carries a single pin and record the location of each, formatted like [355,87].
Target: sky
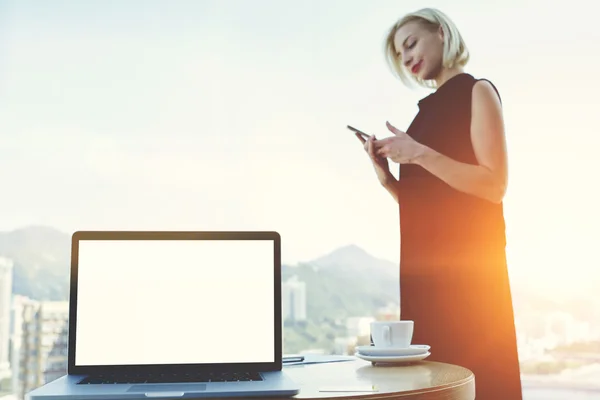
[231,115]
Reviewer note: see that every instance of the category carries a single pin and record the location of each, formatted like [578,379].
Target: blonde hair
[455,50]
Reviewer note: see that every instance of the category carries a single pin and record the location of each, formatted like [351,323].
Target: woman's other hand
[400,148]
[380,164]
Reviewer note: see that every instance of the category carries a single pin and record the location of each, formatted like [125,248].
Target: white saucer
[394,359]
[413,350]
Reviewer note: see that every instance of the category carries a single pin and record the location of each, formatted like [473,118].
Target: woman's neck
[446,74]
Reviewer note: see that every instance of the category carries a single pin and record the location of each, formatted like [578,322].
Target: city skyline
[536,342]
[539,330]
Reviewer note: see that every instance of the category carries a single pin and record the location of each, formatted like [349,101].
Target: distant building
[6,280]
[562,327]
[16,337]
[293,300]
[344,345]
[359,326]
[43,349]
[389,313]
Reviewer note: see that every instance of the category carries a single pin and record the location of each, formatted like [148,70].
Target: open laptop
[173,315]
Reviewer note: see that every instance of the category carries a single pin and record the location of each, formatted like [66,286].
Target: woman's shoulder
[465,84]
[456,90]
[486,85]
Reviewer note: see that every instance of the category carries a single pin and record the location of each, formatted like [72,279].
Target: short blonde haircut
[455,50]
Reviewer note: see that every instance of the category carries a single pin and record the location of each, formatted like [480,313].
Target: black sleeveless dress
[454,281]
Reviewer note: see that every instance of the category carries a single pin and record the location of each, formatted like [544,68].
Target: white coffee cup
[392,333]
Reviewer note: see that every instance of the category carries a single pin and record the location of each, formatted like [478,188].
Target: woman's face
[420,49]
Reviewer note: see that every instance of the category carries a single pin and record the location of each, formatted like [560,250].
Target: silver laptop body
[163,314]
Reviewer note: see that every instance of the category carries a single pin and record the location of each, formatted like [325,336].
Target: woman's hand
[380,164]
[399,148]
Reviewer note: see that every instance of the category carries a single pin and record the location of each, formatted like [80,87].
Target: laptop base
[274,384]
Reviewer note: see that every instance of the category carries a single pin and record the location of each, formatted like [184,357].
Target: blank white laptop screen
[175,302]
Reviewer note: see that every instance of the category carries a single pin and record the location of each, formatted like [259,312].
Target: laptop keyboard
[202,377]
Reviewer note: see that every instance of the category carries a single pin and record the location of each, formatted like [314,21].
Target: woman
[453,176]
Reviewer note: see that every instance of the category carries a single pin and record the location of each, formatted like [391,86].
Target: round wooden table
[423,380]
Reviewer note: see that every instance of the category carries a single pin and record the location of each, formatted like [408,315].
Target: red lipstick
[417,67]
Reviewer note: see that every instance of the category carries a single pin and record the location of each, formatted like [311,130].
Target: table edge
[456,385]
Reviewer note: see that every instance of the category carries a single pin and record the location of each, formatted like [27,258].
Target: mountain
[348,276]
[346,282]
[41,257]
[354,258]
[369,276]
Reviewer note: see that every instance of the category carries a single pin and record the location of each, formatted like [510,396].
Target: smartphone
[293,358]
[359,134]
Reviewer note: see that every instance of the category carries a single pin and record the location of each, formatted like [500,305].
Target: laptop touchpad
[165,387]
